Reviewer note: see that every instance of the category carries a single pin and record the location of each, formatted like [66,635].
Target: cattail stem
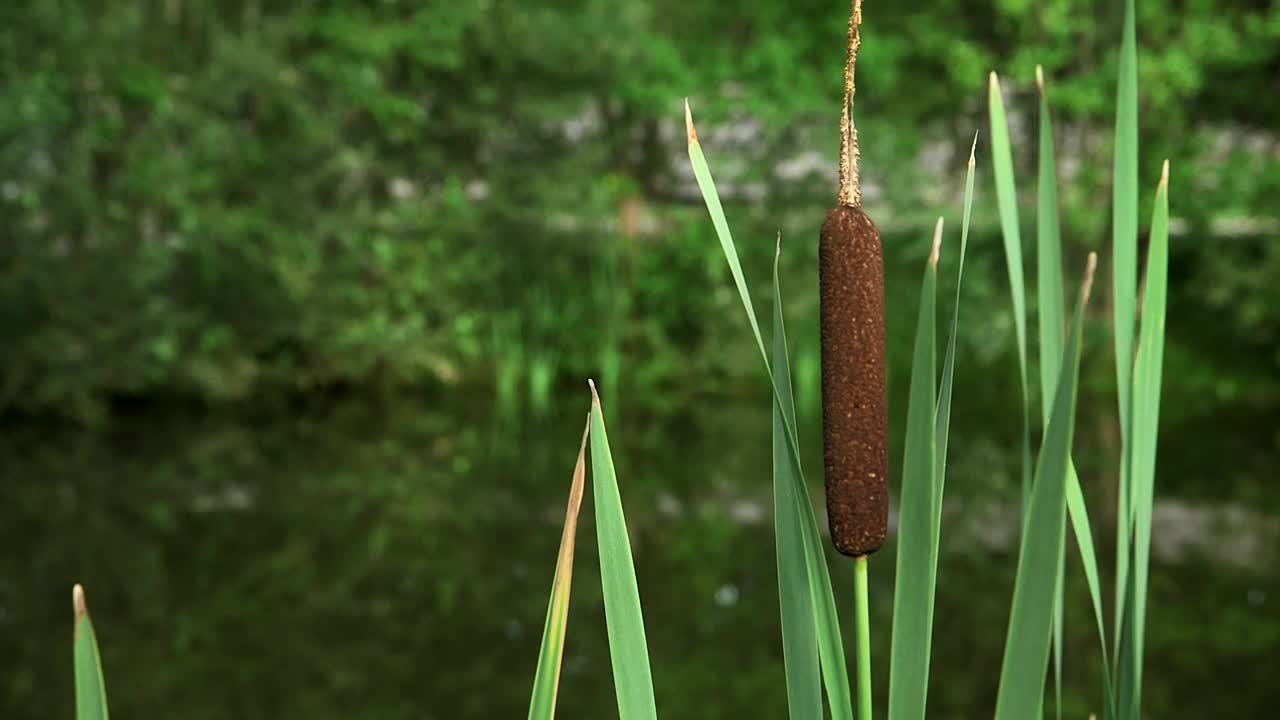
[850,183]
[862,637]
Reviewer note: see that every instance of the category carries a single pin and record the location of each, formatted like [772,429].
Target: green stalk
[863,637]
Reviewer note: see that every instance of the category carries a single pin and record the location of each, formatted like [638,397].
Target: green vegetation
[151,261]
[236,201]
[1036,617]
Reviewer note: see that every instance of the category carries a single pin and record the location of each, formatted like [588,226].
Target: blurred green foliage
[238,200]
[372,563]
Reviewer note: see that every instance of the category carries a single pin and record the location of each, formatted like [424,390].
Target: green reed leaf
[546,680]
[835,673]
[628,649]
[91,692]
[1083,532]
[1026,654]
[913,594]
[943,422]
[1147,381]
[795,596]
[1124,248]
[1007,201]
[1052,327]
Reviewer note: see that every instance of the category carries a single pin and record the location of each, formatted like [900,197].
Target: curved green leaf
[835,673]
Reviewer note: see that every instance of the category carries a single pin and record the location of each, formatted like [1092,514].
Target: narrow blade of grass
[1052,327]
[1053,323]
[835,673]
[1079,515]
[91,692]
[1124,247]
[942,431]
[917,548]
[1022,674]
[943,423]
[795,597]
[1147,381]
[707,185]
[628,648]
[1007,201]
[546,681]
[1052,332]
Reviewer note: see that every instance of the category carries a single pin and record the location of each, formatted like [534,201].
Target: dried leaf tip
[77,601]
[688,123]
[1040,78]
[777,251]
[973,149]
[1088,275]
[595,397]
[1164,175]
[994,82]
[937,244]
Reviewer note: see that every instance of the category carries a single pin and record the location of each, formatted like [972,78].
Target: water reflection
[394,562]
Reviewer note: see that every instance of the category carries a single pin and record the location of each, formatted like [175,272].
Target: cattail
[854,400]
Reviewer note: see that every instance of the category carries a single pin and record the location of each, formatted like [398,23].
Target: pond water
[393,560]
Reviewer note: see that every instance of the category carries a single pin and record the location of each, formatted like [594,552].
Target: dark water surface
[394,561]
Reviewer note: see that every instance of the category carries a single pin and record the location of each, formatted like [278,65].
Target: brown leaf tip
[937,244]
[1088,274]
[688,123]
[77,601]
[595,397]
[994,82]
[1040,78]
[973,149]
[1164,175]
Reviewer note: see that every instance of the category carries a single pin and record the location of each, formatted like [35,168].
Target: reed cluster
[857,470]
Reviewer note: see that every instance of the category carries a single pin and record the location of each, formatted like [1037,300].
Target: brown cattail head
[855,419]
